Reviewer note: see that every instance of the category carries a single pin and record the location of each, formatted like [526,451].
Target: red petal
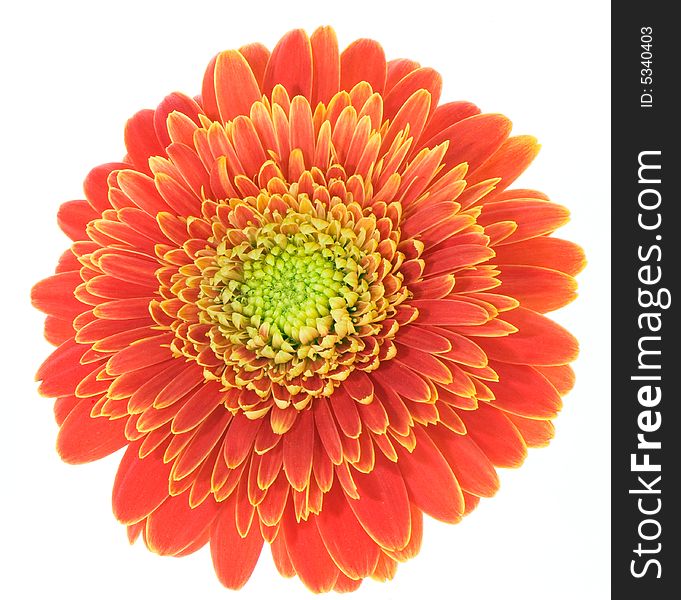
[74,216]
[533,217]
[548,252]
[537,288]
[173,102]
[54,295]
[445,116]
[363,60]
[141,140]
[355,553]
[422,78]
[538,341]
[257,57]
[140,485]
[473,140]
[346,414]
[298,447]
[524,391]
[96,185]
[234,557]
[496,435]
[383,505]
[326,65]
[430,482]
[83,438]
[307,552]
[61,372]
[450,312]
[508,162]
[470,465]
[142,354]
[174,525]
[290,65]
[236,88]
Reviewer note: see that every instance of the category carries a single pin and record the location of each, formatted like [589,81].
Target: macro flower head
[311,309]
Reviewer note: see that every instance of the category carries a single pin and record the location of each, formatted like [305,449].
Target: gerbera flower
[310,309]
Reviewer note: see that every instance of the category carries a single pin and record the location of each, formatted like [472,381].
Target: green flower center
[291,290]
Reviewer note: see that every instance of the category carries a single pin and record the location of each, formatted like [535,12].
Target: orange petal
[208,434]
[257,57]
[383,487]
[562,377]
[140,485]
[326,65]
[83,438]
[421,78]
[426,340]
[290,65]
[508,162]
[174,525]
[450,312]
[141,140]
[496,436]
[345,411]
[395,376]
[146,352]
[473,140]
[445,116]
[538,341]
[355,553]
[236,88]
[537,288]
[524,391]
[547,252]
[536,432]
[430,482]
[363,60]
[307,553]
[173,102]
[73,218]
[96,186]
[298,448]
[61,372]
[57,330]
[54,295]
[424,363]
[397,69]
[197,407]
[234,557]
[470,465]
[239,439]
[453,258]
[328,432]
[415,539]
[533,217]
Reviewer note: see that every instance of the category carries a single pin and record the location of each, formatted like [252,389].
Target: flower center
[290,291]
[289,288]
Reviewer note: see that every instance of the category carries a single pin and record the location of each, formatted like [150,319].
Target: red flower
[310,308]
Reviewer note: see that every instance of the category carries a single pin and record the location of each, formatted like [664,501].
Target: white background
[71,75]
